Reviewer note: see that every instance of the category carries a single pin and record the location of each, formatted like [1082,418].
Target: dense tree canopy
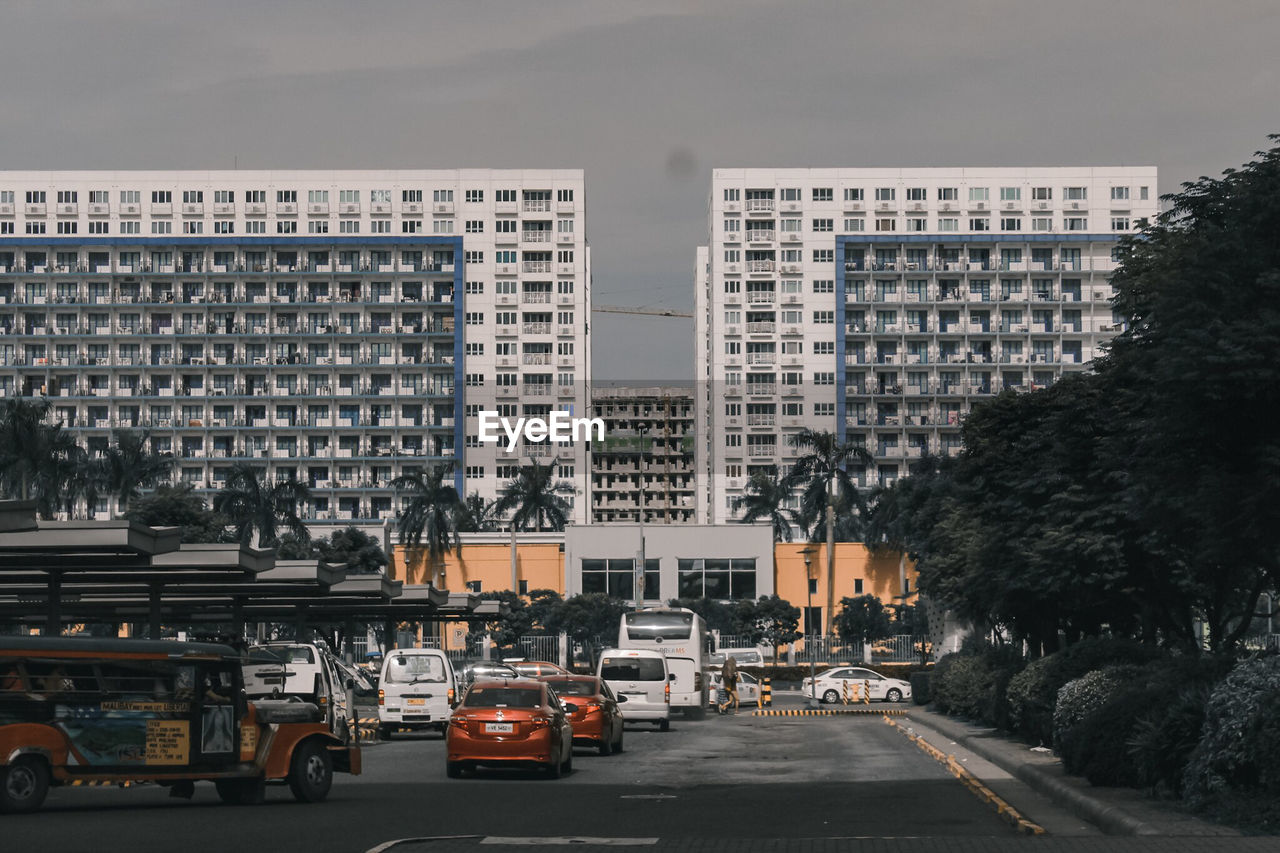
[1143,497]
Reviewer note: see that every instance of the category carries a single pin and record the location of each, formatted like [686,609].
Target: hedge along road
[726,777]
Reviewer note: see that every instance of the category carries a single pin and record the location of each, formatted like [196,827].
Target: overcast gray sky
[646,96]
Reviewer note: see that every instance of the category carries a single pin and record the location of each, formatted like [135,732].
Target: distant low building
[646,463]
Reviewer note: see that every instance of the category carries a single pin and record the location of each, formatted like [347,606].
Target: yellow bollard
[766,694]
[866,693]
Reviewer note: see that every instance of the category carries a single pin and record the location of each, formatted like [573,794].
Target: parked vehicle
[598,720]
[510,722]
[642,676]
[536,668]
[484,669]
[831,686]
[417,690]
[682,636]
[748,687]
[169,713]
[305,671]
[746,656]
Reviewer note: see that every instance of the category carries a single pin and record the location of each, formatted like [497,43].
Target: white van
[417,691]
[306,671]
[742,656]
[642,676]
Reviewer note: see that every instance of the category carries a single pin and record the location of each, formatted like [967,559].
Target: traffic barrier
[766,693]
[1007,812]
[861,692]
[98,783]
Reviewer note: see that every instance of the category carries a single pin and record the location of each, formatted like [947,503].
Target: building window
[67,227]
[380,226]
[193,228]
[824,256]
[1075,223]
[224,227]
[475,226]
[474,196]
[1075,193]
[979,194]
[824,225]
[349,226]
[1119,193]
[917,224]
[1041,223]
[979,223]
[853,194]
[442,196]
[822,194]
[616,578]
[719,578]
[1119,223]
[855,223]
[411,196]
[161,227]
[886,225]
[318,226]
[948,193]
[885,193]
[287,227]
[1011,223]
[1011,193]
[411,226]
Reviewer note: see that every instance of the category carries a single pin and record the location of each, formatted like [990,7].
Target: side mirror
[621,699]
[570,708]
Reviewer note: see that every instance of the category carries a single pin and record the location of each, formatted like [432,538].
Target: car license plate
[416,702]
[499,728]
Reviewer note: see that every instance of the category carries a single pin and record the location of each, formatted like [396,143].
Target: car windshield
[633,669]
[575,688]
[503,697]
[402,669]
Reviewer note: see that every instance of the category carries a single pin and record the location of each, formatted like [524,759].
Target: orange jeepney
[143,711]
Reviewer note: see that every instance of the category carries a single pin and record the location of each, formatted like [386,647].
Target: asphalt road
[723,778]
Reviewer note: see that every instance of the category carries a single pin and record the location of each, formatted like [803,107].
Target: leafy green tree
[590,618]
[535,499]
[543,604]
[506,629]
[292,547]
[361,552]
[431,518]
[254,507]
[863,619]
[773,621]
[766,497]
[179,506]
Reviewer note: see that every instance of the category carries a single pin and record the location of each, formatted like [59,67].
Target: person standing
[729,674]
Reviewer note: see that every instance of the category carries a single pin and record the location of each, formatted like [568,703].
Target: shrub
[1239,747]
[1033,692]
[973,683]
[1084,695]
[920,693]
[1144,727]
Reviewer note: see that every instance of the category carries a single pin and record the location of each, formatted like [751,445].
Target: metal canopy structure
[52,573]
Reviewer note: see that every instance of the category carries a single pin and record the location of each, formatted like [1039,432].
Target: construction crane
[648,312]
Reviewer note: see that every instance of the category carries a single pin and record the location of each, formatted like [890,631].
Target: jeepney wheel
[384,732]
[241,792]
[311,772]
[24,784]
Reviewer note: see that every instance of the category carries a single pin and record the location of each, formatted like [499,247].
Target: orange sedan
[598,720]
[510,722]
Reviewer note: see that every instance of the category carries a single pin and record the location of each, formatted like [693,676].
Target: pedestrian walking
[729,677]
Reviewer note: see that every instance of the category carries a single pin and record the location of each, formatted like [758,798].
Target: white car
[748,688]
[834,684]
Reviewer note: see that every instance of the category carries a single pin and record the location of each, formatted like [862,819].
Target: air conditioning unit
[1075,205]
[1010,205]
[1043,205]
[982,205]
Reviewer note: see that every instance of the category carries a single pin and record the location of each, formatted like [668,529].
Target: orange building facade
[888,575]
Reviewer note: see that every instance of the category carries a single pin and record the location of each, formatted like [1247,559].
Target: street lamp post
[809,578]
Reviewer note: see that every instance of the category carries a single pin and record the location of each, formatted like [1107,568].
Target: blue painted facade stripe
[427,242]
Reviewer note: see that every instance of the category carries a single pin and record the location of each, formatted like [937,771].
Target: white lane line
[647,797]
[387,845]
[571,839]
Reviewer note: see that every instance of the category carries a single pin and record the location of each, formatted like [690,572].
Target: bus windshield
[649,625]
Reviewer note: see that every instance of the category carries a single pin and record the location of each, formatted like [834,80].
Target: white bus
[681,635]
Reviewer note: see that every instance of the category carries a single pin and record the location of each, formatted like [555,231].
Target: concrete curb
[1006,812]
[1108,818]
[827,712]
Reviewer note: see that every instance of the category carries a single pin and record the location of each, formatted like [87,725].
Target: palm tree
[130,466]
[823,471]
[822,475]
[766,497]
[37,459]
[433,514]
[536,498]
[261,508]
[479,515]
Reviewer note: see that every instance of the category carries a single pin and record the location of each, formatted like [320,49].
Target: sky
[646,96]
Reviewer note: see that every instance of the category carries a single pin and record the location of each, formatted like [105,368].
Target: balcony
[411,207]
[762,450]
[760,236]
[537,205]
[761,389]
[759,358]
[536,236]
[760,297]
[318,208]
[195,208]
[760,266]
[536,328]
[537,266]
[762,328]
[759,205]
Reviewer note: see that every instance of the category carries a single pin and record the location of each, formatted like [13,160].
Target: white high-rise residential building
[340,327]
[883,303]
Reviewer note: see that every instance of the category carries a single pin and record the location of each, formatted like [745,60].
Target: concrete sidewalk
[1116,811]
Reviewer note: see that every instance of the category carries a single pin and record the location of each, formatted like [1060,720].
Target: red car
[598,720]
[515,722]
